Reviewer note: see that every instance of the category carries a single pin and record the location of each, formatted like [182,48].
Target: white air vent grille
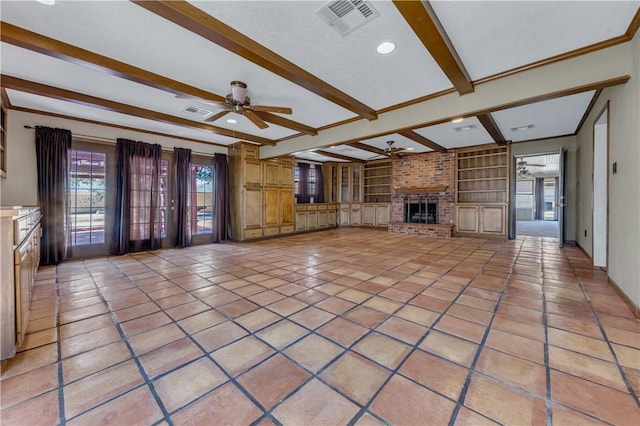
[198,111]
[347,15]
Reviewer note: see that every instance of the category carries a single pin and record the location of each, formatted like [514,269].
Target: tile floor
[348,326]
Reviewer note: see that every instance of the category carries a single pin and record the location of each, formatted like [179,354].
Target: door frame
[605,110]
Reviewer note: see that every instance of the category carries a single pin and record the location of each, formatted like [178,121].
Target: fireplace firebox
[420,210]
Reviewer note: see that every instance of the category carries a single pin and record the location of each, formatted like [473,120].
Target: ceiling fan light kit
[237,101]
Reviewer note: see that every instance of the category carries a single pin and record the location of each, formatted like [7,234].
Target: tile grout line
[61,405]
[125,340]
[625,379]
[547,367]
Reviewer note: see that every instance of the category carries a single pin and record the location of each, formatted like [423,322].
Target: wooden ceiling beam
[339,156]
[19,84]
[418,138]
[35,42]
[366,147]
[425,24]
[492,128]
[285,122]
[199,22]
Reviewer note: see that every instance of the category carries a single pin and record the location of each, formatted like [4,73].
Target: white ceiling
[489,38]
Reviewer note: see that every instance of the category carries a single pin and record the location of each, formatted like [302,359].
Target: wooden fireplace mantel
[421,189]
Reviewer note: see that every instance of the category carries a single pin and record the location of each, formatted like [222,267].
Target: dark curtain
[182,190]
[303,183]
[221,202]
[138,218]
[319,196]
[52,158]
[539,198]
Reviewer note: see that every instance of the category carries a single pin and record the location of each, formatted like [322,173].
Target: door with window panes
[201,205]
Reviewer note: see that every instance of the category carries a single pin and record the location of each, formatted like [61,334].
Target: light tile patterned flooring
[348,326]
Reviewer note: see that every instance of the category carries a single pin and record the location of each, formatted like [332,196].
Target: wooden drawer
[250,234]
[271,231]
[288,229]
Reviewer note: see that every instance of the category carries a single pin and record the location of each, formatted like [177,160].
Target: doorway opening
[537,195]
[600,188]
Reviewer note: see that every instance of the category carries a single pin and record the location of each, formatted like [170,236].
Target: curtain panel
[138,218]
[182,198]
[319,195]
[539,190]
[53,165]
[221,202]
[303,183]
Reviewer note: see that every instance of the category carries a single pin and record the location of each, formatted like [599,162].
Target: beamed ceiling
[513,70]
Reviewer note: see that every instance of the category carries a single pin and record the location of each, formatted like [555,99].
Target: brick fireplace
[423,194]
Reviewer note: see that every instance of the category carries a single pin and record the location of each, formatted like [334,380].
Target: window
[296,181]
[201,199]
[87,197]
[163,183]
[312,182]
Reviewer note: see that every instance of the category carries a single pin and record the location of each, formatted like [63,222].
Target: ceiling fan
[391,151]
[237,101]
[521,167]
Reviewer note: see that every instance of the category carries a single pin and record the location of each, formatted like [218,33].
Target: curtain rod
[111,141]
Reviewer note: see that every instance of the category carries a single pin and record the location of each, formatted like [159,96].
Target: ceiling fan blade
[218,115]
[255,119]
[266,108]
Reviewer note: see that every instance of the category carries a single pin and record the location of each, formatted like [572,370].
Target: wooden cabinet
[19,260]
[262,200]
[311,217]
[482,191]
[376,214]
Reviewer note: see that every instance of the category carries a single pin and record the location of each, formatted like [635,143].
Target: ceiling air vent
[347,15]
[196,110]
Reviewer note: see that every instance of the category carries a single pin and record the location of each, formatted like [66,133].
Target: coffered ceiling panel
[554,117]
[454,135]
[123,62]
[54,106]
[350,62]
[494,36]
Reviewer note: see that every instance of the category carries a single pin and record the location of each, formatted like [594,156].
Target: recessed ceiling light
[465,128]
[409,149]
[521,128]
[457,120]
[386,47]
[47,2]
[231,121]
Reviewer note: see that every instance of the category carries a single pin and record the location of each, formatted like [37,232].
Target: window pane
[201,199]
[87,197]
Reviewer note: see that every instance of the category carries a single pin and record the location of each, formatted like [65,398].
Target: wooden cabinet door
[369,214]
[271,207]
[271,173]
[287,206]
[467,218]
[493,220]
[356,214]
[252,172]
[252,208]
[301,221]
[383,214]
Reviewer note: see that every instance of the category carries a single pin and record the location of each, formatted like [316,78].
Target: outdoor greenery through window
[201,199]
[87,197]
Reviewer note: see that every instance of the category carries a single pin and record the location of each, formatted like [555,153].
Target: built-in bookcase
[482,176]
[377,182]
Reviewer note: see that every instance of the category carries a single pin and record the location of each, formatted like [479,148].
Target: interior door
[512,199]
[562,198]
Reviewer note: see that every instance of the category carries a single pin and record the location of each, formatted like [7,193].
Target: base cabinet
[481,219]
[310,217]
[20,256]
[376,214]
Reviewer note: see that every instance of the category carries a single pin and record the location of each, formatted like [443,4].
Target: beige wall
[20,186]
[624,187]
[555,145]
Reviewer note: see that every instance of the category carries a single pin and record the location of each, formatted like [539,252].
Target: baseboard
[584,252]
[634,308]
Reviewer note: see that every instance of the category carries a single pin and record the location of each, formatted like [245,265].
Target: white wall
[624,187]
[20,186]
[571,172]
[600,166]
